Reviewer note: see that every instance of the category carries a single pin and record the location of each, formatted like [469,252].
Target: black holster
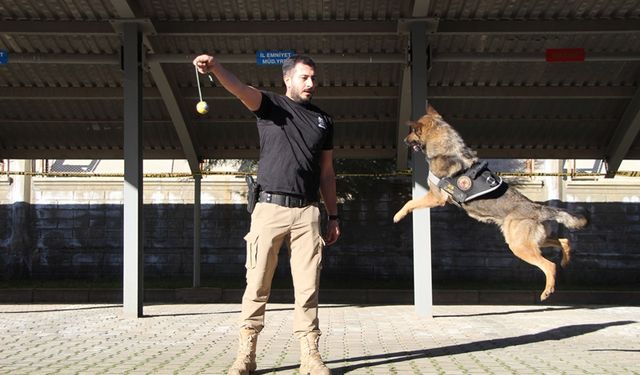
[253,191]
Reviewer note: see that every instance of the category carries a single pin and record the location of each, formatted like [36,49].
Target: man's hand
[333,232]
[203,62]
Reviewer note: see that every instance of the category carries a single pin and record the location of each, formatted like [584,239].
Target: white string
[198,80]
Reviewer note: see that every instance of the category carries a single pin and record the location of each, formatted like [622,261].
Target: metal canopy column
[196,229]
[423,294]
[131,9]
[404,115]
[133,259]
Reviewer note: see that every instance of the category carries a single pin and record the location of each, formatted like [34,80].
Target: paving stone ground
[201,339]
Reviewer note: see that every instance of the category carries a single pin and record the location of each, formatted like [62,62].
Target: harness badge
[464,183]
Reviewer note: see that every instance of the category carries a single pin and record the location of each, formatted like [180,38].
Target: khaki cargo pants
[299,228]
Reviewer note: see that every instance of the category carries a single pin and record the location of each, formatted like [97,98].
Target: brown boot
[310,360]
[245,362]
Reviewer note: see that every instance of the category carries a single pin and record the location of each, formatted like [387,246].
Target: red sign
[564,54]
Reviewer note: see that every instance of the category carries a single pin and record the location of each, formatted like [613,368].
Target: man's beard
[300,99]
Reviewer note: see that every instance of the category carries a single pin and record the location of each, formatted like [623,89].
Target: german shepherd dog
[524,223]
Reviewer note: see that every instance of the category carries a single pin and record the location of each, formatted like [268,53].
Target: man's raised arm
[250,96]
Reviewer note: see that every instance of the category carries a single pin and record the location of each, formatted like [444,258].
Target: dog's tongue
[417,148]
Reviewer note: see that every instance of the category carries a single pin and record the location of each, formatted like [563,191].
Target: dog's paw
[398,216]
[546,293]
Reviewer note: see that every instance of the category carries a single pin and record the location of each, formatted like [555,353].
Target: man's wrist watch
[334,217]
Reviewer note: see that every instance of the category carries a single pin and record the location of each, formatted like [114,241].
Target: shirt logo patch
[321,123]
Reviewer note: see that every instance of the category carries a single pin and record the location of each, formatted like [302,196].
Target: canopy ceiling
[490,74]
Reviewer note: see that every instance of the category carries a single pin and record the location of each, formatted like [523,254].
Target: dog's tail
[563,217]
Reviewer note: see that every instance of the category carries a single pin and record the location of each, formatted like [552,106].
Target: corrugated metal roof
[61,92]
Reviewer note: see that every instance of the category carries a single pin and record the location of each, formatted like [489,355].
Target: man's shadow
[560,333]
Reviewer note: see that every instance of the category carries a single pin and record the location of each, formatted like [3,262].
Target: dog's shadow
[555,334]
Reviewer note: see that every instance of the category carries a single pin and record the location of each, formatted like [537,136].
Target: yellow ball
[202,107]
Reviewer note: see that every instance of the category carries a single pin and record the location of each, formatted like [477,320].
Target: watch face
[464,183]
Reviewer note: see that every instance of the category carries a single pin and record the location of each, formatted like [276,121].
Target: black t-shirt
[292,138]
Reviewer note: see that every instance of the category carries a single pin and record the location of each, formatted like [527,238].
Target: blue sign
[272,57]
[4,57]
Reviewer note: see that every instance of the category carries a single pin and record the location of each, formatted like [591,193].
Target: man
[296,163]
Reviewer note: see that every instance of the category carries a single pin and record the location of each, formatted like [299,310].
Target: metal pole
[423,293]
[554,184]
[196,230]
[133,231]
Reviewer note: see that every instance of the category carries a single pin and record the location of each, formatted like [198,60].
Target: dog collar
[434,180]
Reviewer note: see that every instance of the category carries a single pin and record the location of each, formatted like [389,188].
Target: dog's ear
[432,111]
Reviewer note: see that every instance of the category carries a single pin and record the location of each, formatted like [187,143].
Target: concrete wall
[73,230]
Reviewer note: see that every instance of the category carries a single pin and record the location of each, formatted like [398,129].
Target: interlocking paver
[201,339]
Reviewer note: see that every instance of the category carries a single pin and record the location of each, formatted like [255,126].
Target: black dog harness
[470,184]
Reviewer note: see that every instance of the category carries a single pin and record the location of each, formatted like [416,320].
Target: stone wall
[77,234]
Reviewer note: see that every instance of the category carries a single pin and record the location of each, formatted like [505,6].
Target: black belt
[283,199]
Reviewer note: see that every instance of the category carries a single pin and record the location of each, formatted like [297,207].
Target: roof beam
[127,8]
[341,93]
[187,28]
[210,93]
[592,26]
[215,122]
[624,136]
[71,93]
[421,8]
[358,27]
[526,57]
[130,11]
[56,27]
[339,152]
[504,151]
[530,92]
[42,152]
[528,121]
[334,58]
[63,58]
[114,59]
[347,27]
[324,58]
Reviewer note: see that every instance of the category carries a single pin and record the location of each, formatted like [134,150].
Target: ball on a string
[202,107]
